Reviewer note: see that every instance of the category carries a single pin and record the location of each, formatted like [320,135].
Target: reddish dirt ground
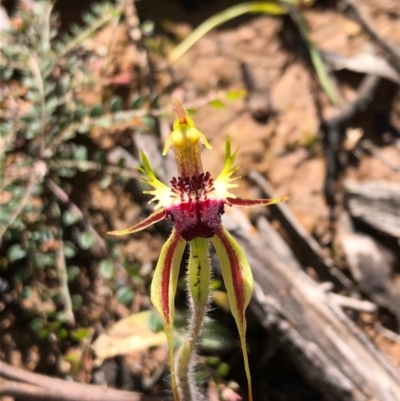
[285,146]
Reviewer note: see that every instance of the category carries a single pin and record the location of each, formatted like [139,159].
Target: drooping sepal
[150,220]
[199,271]
[238,280]
[161,192]
[163,289]
[255,202]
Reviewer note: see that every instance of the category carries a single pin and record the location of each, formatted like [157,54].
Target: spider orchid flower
[194,202]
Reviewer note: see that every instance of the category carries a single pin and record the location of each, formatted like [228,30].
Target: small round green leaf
[137,102]
[106,268]
[236,94]
[86,240]
[15,252]
[81,153]
[36,324]
[76,301]
[69,250]
[80,334]
[105,181]
[223,369]
[79,113]
[155,323]
[69,217]
[62,333]
[6,74]
[217,104]
[116,104]
[27,292]
[62,316]
[213,361]
[72,272]
[154,100]
[124,295]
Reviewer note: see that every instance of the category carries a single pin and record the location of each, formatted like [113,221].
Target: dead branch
[16,382]
[331,352]
[376,203]
[368,146]
[370,264]
[333,129]
[390,50]
[311,251]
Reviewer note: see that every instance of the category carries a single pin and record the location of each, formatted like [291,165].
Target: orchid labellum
[194,202]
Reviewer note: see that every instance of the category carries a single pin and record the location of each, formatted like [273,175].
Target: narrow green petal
[199,271]
[163,289]
[230,158]
[149,172]
[161,193]
[152,219]
[238,280]
[223,183]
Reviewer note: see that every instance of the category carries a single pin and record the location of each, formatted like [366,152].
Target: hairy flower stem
[186,356]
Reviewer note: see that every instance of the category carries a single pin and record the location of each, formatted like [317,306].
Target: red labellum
[195,214]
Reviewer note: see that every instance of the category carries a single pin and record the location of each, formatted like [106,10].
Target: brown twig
[368,146]
[390,50]
[16,382]
[39,171]
[258,97]
[63,277]
[135,34]
[332,130]
[93,166]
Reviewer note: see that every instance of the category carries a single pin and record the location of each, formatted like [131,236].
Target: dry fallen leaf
[129,335]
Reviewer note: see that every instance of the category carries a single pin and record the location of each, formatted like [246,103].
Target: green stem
[109,13]
[198,279]
[252,7]
[316,59]
[186,356]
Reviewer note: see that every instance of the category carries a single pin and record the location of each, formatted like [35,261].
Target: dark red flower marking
[236,273]
[165,282]
[195,215]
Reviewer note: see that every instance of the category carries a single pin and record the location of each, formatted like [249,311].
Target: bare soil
[285,145]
